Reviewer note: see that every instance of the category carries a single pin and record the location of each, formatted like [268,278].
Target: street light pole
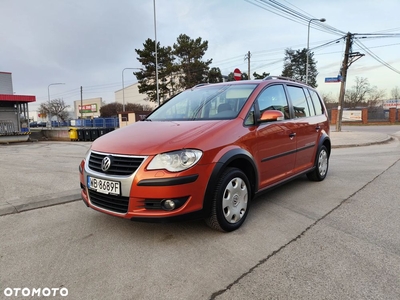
[48,88]
[308,43]
[123,88]
[48,93]
[155,36]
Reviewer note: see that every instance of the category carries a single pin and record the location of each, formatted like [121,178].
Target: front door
[276,140]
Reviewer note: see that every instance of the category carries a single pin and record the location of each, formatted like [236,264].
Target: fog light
[168,204]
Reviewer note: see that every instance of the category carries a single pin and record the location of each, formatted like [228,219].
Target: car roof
[277,79]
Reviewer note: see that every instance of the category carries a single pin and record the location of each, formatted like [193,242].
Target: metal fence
[376,113]
[96,122]
[7,127]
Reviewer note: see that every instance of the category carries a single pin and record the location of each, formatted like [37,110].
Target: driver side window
[274,98]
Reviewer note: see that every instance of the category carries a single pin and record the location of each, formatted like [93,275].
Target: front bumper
[143,191]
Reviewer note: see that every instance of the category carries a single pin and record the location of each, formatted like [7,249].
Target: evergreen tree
[147,76]
[214,75]
[190,53]
[260,76]
[295,66]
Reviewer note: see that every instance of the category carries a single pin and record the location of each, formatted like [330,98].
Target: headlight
[175,161]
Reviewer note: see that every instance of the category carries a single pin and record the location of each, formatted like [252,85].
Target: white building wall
[131,94]
[6,86]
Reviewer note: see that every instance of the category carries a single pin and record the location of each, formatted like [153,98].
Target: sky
[89,43]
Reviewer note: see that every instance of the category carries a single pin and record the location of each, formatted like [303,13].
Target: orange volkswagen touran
[206,153]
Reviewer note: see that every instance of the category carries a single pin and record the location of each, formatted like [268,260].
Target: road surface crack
[220,292]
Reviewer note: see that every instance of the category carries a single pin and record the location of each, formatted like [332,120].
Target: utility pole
[343,82]
[349,58]
[248,55]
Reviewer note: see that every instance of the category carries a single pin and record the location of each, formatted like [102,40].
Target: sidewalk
[56,181]
[356,138]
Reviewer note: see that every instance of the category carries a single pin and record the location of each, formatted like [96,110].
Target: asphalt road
[337,239]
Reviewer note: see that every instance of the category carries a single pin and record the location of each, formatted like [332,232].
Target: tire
[321,165]
[231,200]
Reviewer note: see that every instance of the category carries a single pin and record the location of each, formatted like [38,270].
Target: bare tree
[362,92]
[55,107]
[375,96]
[327,98]
[396,93]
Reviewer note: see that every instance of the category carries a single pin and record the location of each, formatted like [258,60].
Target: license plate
[103,186]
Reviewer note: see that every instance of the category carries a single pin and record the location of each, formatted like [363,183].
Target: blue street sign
[332,79]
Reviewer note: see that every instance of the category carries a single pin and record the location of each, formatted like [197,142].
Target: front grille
[120,165]
[110,202]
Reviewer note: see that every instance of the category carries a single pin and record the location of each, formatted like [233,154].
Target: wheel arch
[325,141]
[318,172]
[237,158]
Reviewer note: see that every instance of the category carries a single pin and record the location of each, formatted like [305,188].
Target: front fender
[238,158]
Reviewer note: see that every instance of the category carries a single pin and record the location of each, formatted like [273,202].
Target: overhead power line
[388,30]
[291,14]
[328,43]
[374,56]
[376,35]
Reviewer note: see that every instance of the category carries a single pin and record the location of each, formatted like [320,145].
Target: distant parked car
[37,124]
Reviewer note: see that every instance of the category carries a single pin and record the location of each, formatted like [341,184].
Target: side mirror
[271,116]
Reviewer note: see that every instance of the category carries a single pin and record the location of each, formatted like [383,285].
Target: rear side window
[317,103]
[299,101]
[309,102]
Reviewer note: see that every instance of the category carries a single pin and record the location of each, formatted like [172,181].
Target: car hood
[150,137]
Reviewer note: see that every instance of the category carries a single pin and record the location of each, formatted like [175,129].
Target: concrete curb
[384,141]
[21,205]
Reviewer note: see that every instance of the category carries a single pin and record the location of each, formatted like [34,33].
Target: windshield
[210,102]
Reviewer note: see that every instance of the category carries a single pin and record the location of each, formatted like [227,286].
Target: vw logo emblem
[106,163]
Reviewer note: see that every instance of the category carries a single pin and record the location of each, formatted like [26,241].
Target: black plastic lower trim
[196,215]
[168,181]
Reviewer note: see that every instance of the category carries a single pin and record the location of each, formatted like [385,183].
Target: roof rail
[284,78]
[200,84]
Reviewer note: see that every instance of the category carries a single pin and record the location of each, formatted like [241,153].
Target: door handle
[318,128]
[292,135]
